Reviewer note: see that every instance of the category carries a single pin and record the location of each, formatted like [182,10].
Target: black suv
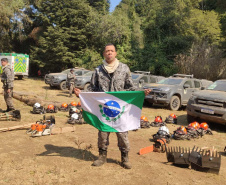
[174,91]
[209,104]
[140,78]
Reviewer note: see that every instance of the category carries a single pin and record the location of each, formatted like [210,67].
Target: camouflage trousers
[123,141]
[8,98]
[71,88]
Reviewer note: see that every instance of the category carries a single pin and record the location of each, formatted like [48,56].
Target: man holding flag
[111,111]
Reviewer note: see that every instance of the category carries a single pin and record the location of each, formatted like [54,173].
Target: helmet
[73,103]
[195,124]
[173,115]
[64,105]
[79,103]
[163,130]
[50,107]
[158,119]
[75,116]
[74,109]
[37,105]
[143,118]
[182,128]
[204,126]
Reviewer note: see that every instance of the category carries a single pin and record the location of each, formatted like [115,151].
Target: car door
[188,90]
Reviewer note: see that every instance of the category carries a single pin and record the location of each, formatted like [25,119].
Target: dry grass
[67,158]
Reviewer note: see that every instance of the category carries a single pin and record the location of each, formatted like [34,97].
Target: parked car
[140,78]
[60,79]
[175,91]
[83,81]
[209,105]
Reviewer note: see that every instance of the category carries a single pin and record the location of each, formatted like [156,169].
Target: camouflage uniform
[7,80]
[120,80]
[71,82]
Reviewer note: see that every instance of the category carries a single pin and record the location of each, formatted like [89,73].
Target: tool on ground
[158,146]
[79,106]
[42,127]
[179,156]
[74,109]
[144,123]
[172,118]
[200,159]
[163,133]
[51,109]
[10,116]
[64,107]
[205,160]
[72,104]
[181,133]
[192,130]
[158,122]
[204,129]
[38,109]
[76,118]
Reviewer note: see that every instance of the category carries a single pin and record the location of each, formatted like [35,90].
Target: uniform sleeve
[129,86]
[9,77]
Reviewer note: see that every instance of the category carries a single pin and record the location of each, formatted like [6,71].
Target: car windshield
[170,81]
[89,73]
[66,71]
[218,86]
[134,76]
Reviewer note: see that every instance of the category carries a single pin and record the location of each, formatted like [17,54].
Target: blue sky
[114,3]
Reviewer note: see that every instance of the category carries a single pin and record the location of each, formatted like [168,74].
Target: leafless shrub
[204,61]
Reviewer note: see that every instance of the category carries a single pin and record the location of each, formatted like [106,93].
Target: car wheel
[63,86]
[174,103]
[86,86]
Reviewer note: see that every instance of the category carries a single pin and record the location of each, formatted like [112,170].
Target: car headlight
[165,89]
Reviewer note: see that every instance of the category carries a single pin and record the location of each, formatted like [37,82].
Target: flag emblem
[111,109]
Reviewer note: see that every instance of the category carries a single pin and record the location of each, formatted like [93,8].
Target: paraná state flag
[112,111]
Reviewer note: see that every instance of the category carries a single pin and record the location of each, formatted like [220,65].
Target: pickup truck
[208,105]
[174,91]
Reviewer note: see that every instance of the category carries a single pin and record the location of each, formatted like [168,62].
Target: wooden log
[31,99]
[55,131]
[18,127]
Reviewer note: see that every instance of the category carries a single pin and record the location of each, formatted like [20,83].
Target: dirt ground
[66,158]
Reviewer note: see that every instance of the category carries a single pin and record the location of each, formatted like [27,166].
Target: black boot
[101,159]
[125,160]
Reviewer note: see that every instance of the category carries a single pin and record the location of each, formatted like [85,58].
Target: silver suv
[60,79]
[83,81]
[174,91]
[209,104]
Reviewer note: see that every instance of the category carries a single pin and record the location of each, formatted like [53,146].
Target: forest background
[160,36]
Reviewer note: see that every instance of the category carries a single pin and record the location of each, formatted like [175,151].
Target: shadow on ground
[81,154]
